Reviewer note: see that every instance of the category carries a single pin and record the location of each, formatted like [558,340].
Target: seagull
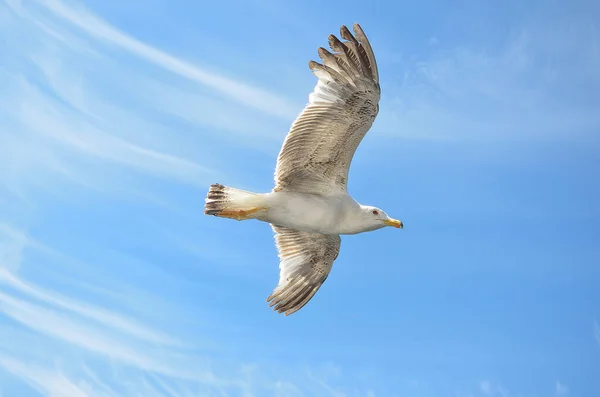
[309,207]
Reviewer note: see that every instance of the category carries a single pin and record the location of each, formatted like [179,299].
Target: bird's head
[376,218]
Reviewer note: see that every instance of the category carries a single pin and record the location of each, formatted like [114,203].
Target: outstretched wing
[305,262]
[318,150]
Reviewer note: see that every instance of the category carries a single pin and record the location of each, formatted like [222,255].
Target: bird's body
[316,213]
[309,206]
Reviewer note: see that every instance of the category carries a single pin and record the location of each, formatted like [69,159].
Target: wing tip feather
[352,59]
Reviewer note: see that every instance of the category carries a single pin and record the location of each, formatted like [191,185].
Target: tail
[229,202]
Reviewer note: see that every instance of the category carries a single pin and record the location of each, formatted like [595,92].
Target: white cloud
[54,381]
[244,93]
[109,344]
[41,115]
[104,317]
[518,91]
[74,112]
[46,137]
[49,383]
[108,333]
[59,326]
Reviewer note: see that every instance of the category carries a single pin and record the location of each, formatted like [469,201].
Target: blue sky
[116,116]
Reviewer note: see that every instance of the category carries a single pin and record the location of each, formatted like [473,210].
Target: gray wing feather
[318,150]
[305,262]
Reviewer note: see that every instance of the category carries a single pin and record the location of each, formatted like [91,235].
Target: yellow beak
[394,222]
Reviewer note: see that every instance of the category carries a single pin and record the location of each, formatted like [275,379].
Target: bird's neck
[353,221]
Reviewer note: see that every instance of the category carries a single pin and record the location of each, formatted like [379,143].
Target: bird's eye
[375,212]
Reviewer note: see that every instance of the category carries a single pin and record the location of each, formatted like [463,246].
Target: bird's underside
[314,159]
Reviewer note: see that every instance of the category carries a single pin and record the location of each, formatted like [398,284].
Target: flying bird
[310,207]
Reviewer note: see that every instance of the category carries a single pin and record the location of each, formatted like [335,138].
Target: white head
[373,218]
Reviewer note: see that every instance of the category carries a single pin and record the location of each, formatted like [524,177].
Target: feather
[305,262]
[318,149]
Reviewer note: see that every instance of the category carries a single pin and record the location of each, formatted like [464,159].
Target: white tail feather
[229,202]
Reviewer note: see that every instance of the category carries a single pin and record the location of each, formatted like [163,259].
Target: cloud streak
[64,327]
[49,383]
[520,90]
[60,126]
[103,317]
[44,116]
[65,120]
[243,93]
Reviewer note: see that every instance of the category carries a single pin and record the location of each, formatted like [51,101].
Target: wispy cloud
[49,132]
[540,83]
[244,93]
[49,383]
[103,317]
[103,335]
[91,338]
[74,111]
[97,330]
[46,117]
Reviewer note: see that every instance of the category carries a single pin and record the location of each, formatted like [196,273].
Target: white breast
[309,212]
